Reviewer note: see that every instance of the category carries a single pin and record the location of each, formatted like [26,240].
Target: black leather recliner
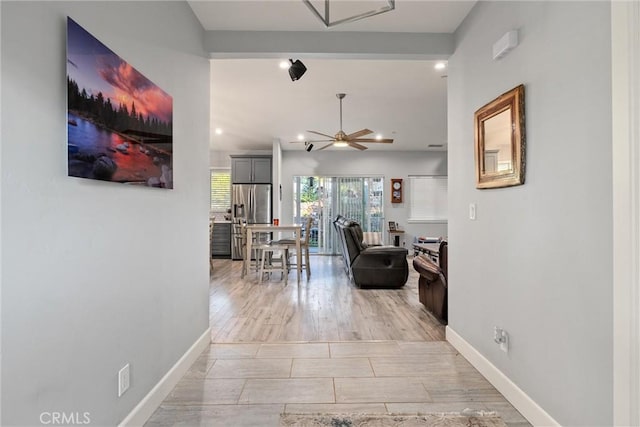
[370,266]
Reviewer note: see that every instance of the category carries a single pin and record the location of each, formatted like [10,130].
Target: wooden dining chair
[304,247]
[257,241]
[270,263]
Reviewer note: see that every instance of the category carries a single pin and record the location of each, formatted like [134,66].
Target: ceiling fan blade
[383,141]
[326,146]
[356,145]
[321,134]
[358,134]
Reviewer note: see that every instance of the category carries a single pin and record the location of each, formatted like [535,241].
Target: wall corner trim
[145,408]
[516,396]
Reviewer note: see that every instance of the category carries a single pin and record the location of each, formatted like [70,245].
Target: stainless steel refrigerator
[250,204]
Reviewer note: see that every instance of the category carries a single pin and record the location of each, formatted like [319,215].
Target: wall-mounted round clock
[396,190]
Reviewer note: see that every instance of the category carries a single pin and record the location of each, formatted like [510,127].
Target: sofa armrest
[428,269]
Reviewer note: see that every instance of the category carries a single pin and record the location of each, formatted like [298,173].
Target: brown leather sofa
[370,266]
[432,284]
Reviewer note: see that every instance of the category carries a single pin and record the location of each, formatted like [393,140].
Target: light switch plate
[472,211]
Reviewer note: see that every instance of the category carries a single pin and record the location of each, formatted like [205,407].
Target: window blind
[427,198]
[220,191]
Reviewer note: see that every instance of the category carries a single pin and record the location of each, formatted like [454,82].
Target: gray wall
[375,163]
[538,261]
[96,274]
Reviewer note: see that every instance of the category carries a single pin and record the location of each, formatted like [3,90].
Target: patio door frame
[333,203]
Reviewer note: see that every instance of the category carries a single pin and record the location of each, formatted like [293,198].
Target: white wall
[538,261]
[96,275]
[399,164]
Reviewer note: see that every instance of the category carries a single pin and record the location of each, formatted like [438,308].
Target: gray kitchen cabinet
[262,170]
[221,240]
[251,169]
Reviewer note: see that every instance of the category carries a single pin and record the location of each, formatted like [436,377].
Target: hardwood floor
[327,307]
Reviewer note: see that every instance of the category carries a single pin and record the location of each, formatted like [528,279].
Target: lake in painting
[119,123]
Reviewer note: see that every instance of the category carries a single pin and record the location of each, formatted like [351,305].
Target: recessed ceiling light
[300,137]
[440,65]
[218,131]
[285,64]
[378,137]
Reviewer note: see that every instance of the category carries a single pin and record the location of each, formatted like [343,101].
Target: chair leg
[285,267]
[306,262]
[264,255]
[286,257]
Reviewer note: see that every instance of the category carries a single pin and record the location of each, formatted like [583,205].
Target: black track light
[308,146]
[297,69]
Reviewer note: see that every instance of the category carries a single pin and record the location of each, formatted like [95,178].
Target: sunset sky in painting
[97,69]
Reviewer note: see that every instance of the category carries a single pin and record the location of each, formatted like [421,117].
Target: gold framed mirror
[500,141]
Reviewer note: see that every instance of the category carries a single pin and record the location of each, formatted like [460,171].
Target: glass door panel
[358,198]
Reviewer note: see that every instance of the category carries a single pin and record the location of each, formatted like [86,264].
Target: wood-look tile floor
[322,346]
[327,307]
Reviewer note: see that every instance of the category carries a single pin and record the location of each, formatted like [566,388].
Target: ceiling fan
[341,139]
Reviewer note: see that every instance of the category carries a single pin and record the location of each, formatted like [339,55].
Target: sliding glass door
[358,198]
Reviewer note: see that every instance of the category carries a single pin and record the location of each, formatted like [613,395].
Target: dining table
[270,228]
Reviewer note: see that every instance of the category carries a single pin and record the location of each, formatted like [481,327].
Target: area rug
[446,419]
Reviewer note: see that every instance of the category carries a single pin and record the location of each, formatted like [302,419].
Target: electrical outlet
[501,337]
[472,211]
[124,379]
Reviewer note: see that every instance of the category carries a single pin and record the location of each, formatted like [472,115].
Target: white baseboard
[143,410]
[518,398]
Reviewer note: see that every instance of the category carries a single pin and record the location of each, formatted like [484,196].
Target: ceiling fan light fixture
[341,139]
[297,69]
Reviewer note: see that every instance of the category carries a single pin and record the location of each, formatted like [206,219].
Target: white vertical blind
[358,198]
[427,198]
[220,191]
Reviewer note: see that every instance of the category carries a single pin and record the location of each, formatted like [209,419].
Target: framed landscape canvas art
[119,123]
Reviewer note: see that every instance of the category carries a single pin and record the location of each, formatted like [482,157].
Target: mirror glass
[497,143]
[499,134]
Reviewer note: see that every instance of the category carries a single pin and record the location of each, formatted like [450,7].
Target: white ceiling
[255,102]
[414,16]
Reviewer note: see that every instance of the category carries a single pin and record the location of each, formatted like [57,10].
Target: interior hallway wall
[538,259]
[96,275]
